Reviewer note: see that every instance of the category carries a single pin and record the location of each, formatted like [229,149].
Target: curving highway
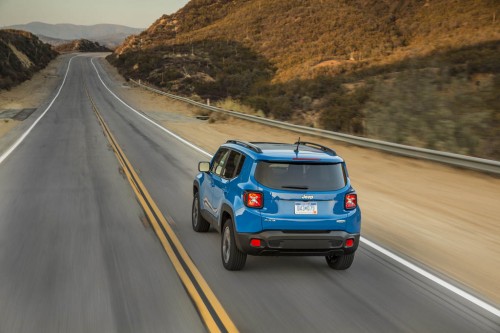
[78,254]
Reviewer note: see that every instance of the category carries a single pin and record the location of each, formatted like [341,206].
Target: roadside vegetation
[423,73]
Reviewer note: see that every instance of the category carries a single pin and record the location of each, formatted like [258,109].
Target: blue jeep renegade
[278,199]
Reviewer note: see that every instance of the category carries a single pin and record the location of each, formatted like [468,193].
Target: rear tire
[232,258]
[340,262]
[199,223]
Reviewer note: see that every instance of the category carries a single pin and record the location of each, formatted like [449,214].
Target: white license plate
[306,208]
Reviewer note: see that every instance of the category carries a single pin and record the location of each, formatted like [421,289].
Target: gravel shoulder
[445,218]
[6,125]
[30,94]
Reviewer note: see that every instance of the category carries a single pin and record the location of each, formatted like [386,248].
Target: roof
[275,151]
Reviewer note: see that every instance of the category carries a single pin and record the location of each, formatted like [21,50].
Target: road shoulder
[31,94]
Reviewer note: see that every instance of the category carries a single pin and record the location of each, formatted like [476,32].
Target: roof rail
[246,145]
[316,145]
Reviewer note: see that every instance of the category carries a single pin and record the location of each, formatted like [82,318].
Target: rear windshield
[301,176]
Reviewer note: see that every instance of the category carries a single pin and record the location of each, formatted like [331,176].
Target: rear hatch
[302,195]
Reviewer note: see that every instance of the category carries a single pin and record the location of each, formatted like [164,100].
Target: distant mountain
[81,45]
[21,55]
[52,41]
[109,35]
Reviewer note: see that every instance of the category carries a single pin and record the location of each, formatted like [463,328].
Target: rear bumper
[297,243]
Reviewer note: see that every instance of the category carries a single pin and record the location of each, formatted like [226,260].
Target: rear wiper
[297,187]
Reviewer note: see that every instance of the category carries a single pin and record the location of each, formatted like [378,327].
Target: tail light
[255,242]
[349,242]
[350,201]
[253,199]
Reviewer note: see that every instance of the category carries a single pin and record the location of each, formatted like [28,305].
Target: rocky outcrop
[21,55]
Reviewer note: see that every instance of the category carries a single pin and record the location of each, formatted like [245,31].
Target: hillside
[81,45]
[424,73]
[21,55]
[109,35]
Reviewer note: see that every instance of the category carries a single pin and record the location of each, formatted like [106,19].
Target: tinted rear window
[301,176]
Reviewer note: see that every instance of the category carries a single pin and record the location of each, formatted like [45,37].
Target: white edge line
[433,278]
[152,122]
[25,134]
[374,246]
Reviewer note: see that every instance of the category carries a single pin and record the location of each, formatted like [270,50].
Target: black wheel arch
[196,187]
[227,212]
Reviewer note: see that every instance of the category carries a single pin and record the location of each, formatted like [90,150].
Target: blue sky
[133,13]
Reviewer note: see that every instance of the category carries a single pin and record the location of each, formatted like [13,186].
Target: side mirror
[203,166]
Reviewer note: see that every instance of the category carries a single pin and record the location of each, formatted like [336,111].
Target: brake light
[253,199]
[255,242]
[349,242]
[350,201]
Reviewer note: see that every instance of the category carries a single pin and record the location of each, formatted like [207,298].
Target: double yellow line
[211,311]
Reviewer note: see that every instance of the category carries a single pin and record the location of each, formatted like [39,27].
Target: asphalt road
[77,255]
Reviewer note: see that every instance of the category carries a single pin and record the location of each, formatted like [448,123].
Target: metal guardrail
[468,162]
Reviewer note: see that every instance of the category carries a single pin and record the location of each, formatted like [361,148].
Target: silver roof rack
[246,145]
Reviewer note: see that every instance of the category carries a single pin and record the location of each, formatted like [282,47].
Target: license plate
[306,208]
